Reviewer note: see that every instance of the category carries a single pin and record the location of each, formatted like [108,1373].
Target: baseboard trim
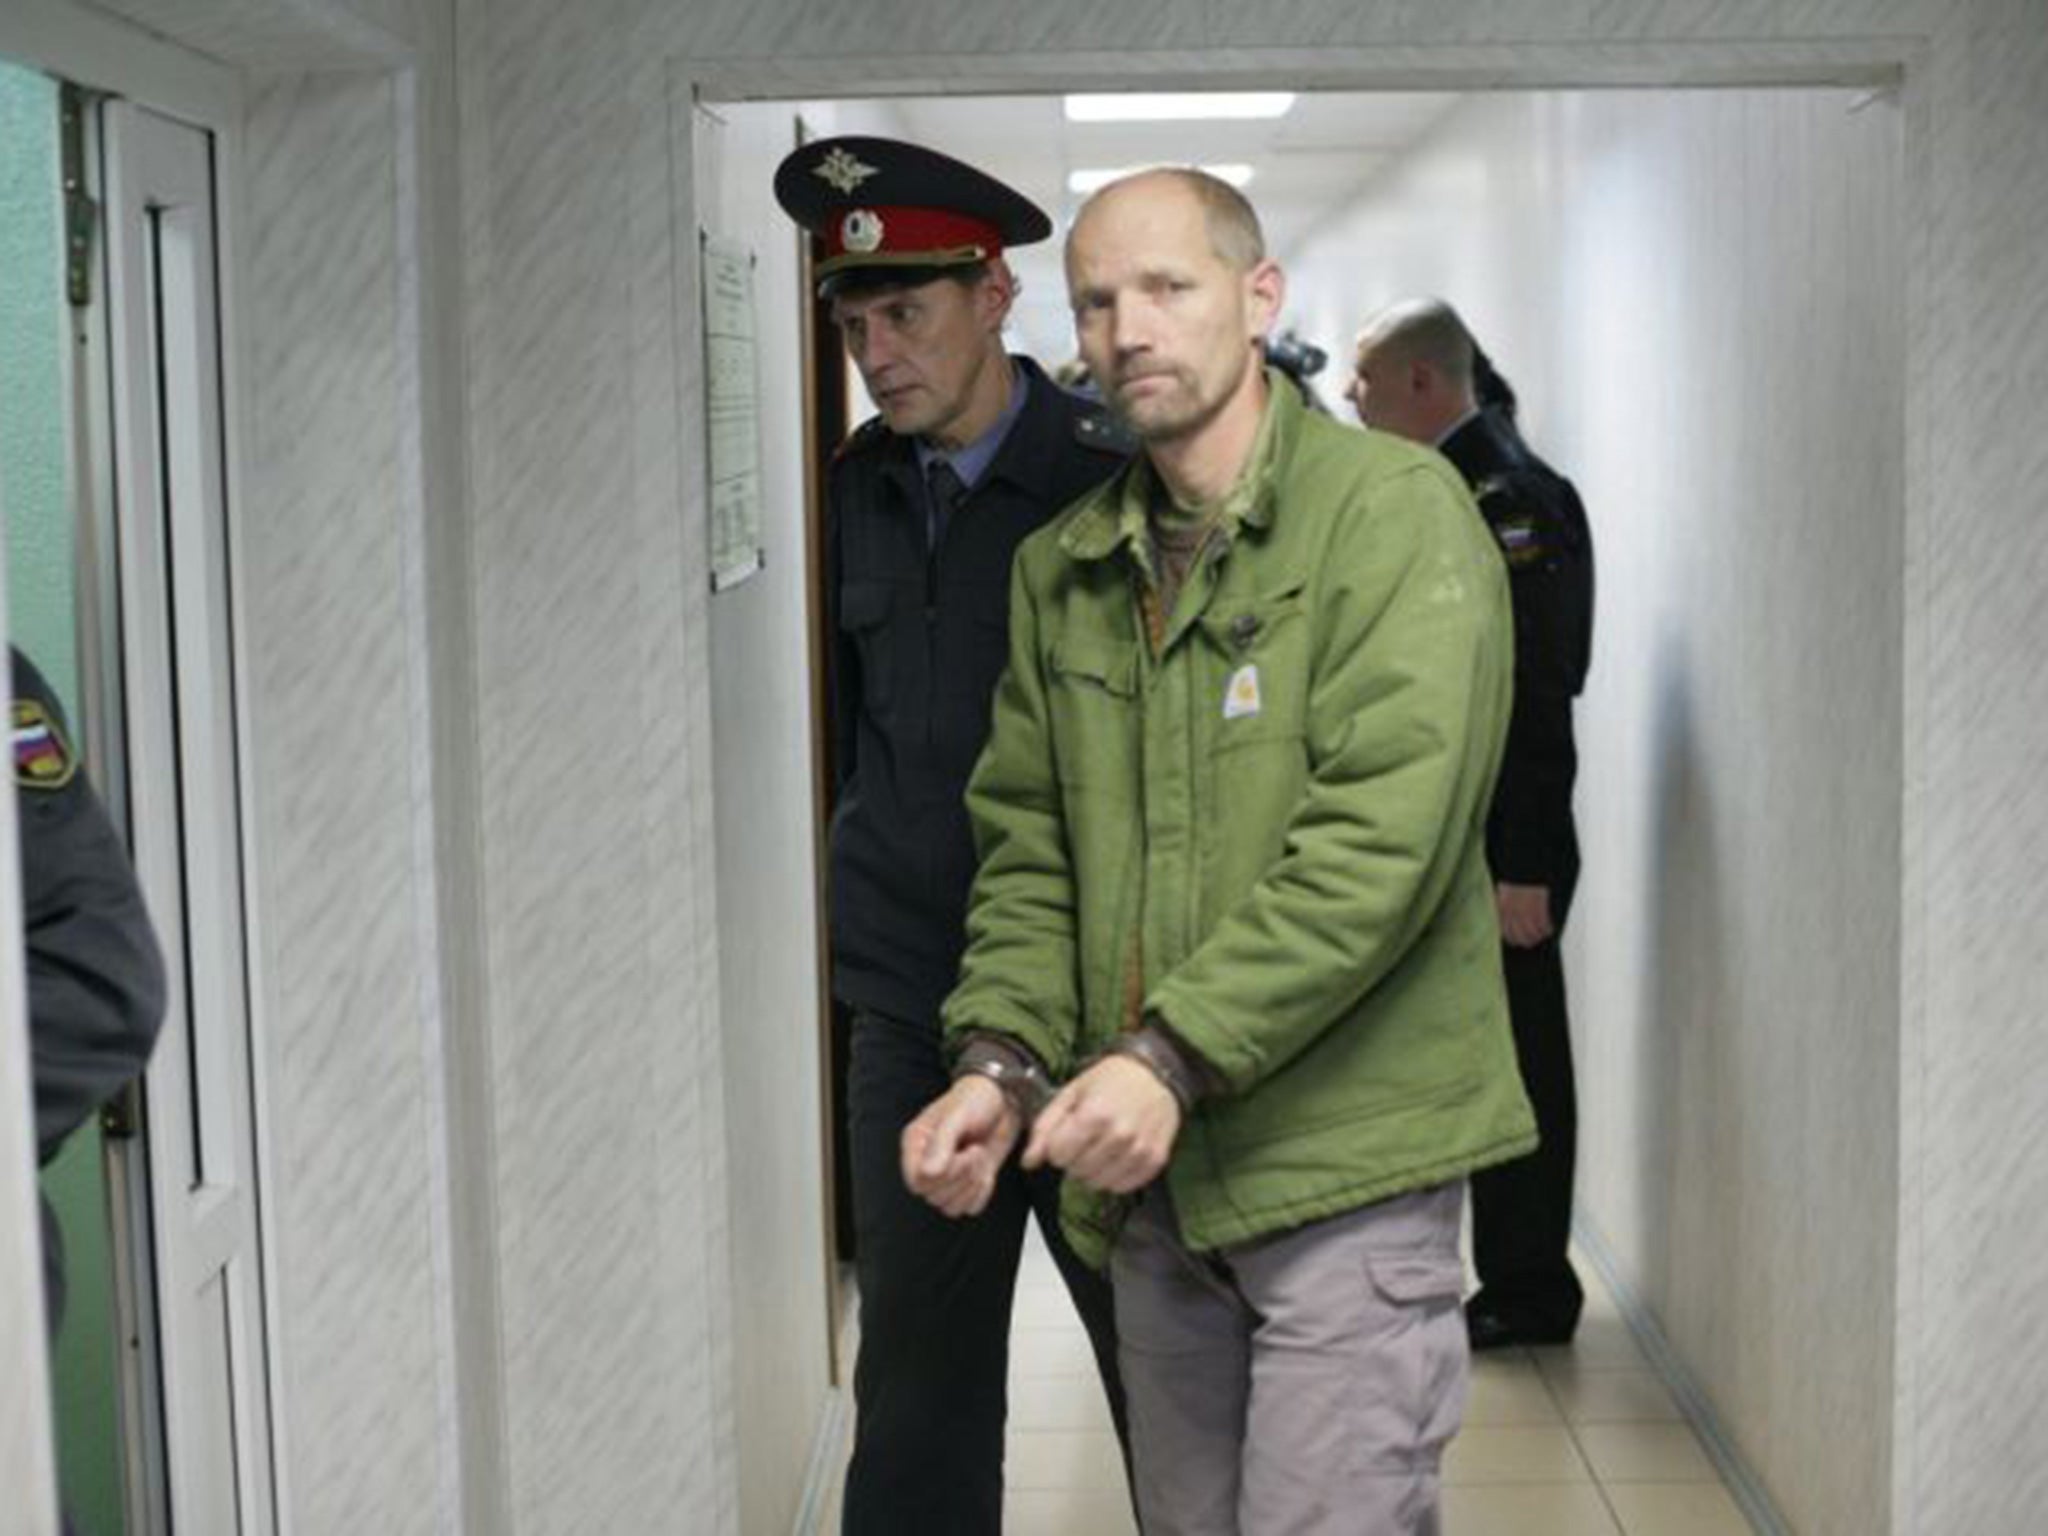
[834,1432]
[827,1456]
[1685,1388]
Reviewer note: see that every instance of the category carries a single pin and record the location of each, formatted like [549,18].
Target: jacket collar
[1028,454]
[1029,451]
[1486,444]
[1113,517]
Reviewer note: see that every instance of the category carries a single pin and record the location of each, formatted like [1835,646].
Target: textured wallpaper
[338,788]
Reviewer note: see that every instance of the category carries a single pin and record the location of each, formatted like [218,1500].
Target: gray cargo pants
[1302,1385]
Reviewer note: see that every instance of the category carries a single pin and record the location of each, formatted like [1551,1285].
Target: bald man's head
[1412,374]
[1173,294]
[1232,223]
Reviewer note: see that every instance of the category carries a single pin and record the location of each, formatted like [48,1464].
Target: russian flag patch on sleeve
[42,758]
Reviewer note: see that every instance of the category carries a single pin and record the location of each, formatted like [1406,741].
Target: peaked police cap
[882,206]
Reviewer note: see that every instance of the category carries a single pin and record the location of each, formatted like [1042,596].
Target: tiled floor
[1578,1441]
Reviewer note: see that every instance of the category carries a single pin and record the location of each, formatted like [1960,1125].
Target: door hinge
[121,1116]
[81,212]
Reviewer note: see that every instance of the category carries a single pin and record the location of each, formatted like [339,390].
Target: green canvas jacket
[1263,828]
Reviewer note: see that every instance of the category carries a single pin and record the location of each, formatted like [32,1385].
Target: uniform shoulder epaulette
[1495,490]
[43,758]
[861,438]
[1517,519]
[1097,428]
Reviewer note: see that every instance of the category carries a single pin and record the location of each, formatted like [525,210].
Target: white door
[181,758]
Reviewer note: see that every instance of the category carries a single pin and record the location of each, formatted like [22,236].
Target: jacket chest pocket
[1255,670]
[1092,696]
[865,608]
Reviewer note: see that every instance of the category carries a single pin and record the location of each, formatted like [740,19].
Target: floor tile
[1603,1342]
[1068,1512]
[1043,1307]
[1613,1397]
[1063,1458]
[1509,1391]
[1527,1509]
[1644,1453]
[1515,1454]
[1600,1301]
[1598,1297]
[1050,1352]
[1058,1402]
[1675,1509]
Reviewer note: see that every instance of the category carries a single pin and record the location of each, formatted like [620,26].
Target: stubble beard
[1176,414]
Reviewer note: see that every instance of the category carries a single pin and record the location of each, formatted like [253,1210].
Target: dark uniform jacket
[1541,527]
[920,636]
[95,975]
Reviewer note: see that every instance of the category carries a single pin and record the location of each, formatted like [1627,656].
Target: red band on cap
[906,232]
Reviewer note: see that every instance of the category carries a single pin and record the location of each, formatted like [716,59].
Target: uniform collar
[1484,443]
[972,461]
[1038,438]
[1028,453]
[1455,428]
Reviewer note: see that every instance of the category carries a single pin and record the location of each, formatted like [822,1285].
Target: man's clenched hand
[955,1149]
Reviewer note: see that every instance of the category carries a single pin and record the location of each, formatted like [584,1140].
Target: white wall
[1700,298]
[593,721]
[328,535]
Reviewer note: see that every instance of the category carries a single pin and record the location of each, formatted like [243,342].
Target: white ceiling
[1305,165]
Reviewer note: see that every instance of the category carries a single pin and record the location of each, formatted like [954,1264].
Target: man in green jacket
[1233,900]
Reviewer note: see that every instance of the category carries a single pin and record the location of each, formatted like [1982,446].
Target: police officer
[95,971]
[973,450]
[1419,373]
[95,976]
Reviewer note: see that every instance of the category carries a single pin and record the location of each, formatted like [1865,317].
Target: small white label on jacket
[1241,698]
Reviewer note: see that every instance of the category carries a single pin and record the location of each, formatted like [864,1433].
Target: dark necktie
[946,492]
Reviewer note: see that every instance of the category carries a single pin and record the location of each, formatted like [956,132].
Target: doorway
[121,587]
[1699,293]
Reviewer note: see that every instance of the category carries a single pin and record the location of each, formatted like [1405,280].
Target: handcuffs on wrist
[1025,1087]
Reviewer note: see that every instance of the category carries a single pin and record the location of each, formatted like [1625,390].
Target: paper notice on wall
[732,413]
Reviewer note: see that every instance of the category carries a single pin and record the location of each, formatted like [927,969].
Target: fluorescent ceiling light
[1083,182]
[1178,108]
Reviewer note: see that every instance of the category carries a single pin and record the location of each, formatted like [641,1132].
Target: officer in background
[1299,360]
[95,976]
[1419,374]
[927,502]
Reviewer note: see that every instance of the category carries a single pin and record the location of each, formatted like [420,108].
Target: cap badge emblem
[861,231]
[842,172]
